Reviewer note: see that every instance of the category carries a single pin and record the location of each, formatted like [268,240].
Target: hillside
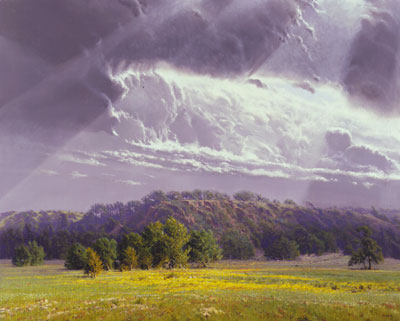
[38,219]
[260,219]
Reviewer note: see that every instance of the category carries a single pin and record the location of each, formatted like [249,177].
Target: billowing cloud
[365,156]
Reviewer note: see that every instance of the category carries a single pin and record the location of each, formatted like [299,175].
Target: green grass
[225,291]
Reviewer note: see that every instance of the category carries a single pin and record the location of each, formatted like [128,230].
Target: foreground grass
[238,291]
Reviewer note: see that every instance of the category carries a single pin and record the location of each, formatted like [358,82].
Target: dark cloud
[60,30]
[238,39]
[372,71]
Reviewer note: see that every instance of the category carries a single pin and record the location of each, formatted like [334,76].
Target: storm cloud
[111,99]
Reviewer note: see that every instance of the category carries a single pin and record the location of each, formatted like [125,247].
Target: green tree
[176,238]
[107,250]
[134,240]
[36,252]
[203,248]
[236,245]
[22,256]
[166,243]
[369,251]
[282,249]
[130,260]
[93,265]
[76,257]
[154,240]
[145,258]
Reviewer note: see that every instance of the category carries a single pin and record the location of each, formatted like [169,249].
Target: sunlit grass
[249,291]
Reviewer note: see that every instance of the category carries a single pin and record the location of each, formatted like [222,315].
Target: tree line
[171,245]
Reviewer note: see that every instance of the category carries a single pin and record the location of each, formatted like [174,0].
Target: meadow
[226,290]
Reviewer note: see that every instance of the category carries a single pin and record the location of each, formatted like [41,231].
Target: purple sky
[104,101]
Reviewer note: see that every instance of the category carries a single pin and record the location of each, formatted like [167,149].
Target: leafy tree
[369,251]
[93,264]
[166,243]
[176,238]
[203,248]
[36,252]
[22,256]
[282,249]
[107,250]
[236,245]
[154,240]
[130,260]
[76,257]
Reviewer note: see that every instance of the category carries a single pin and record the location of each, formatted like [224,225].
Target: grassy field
[225,291]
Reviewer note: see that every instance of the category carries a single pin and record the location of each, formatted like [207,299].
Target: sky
[104,101]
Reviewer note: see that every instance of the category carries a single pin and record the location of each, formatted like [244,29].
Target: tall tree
[176,238]
[369,251]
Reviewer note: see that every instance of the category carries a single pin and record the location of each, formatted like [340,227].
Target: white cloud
[129,182]
[77,175]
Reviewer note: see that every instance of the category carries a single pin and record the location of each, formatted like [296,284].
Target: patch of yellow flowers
[181,281]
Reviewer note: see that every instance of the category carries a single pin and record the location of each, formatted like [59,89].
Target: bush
[76,257]
[28,255]
[22,256]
